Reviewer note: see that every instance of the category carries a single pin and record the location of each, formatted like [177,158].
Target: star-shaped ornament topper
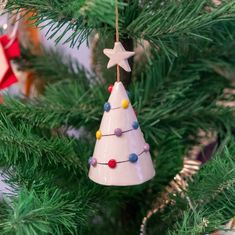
[118,56]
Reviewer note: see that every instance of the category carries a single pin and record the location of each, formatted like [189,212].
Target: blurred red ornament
[8,50]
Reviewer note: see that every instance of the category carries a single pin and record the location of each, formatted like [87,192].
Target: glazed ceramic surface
[119,148]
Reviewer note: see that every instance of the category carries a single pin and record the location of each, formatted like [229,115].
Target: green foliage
[214,206]
[73,21]
[46,212]
[21,143]
[44,65]
[63,104]
[75,18]
[178,20]
[179,89]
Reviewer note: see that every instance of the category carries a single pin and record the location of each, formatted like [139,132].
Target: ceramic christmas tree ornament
[121,156]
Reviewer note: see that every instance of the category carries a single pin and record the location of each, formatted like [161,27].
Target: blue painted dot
[135,125]
[107,107]
[133,157]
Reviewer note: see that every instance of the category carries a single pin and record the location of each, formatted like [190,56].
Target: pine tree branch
[71,21]
[169,23]
[63,104]
[70,104]
[47,212]
[54,66]
[175,20]
[211,193]
[20,144]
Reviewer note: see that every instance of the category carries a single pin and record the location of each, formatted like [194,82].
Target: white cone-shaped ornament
[121,156]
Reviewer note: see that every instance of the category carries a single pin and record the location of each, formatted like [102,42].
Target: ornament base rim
[123,184]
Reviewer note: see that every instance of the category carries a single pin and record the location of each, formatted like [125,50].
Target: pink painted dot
[93,161]
[146,147]
[118,132]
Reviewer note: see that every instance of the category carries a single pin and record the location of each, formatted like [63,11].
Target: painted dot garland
[112,163]
[124,105]
[118,131]
[133,157]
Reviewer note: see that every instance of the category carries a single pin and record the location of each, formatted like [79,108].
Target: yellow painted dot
[125,104]
[98,135]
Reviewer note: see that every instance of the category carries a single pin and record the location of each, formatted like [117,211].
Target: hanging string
[117,38]
[117,19]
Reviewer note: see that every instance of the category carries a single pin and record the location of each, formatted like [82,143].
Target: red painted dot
[110,88]
[112,163]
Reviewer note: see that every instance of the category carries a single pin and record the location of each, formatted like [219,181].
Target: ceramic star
[118,56]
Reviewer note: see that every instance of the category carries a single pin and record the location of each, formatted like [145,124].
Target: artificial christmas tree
[182,77]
